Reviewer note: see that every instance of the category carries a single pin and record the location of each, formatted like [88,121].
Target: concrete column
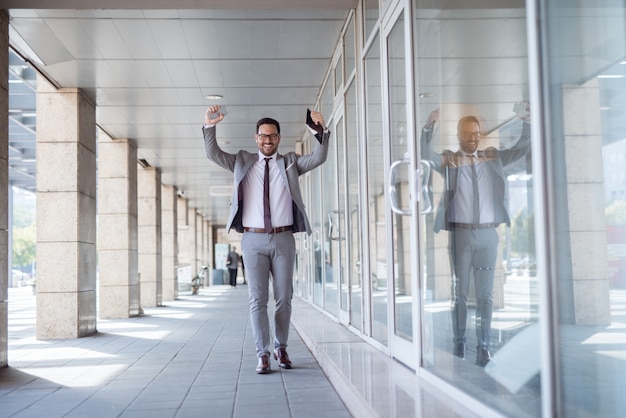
[4,188]
[169,234]
[117,228]
[193,240]
[590,304]
[200,261]
[185,273]
[149,233]
[66,213]
[206,257]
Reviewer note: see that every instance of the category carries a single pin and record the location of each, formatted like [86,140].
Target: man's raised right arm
[211,147]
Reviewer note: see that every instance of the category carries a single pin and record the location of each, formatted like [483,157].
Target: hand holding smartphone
[215,115]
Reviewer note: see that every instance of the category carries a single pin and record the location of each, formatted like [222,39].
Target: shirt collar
[466,154]
[263,156]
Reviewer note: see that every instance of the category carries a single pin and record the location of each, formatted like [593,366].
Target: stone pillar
[4,187]
[193,240]
[66,213]
[206,254]
[169,234]
[184,250]
[590,304]
[149,228]
[200,261]
[117,228]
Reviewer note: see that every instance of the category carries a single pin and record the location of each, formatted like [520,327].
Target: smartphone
[216,115]
[521,109]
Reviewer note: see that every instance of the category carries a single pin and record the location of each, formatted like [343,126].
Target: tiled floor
[192,358]
[195,357]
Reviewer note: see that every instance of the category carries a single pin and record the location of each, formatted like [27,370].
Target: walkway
[192,358]
[195,357]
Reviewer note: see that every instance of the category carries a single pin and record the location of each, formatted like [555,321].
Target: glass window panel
[326,102]
[371,13]
[400,224]
[354,210]
[587,79]
[376,195]
[338,73]
[315,240]
[479,283]
[329,252]
[349,51]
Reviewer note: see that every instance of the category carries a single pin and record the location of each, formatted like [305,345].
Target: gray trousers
[267,254]
[473,251]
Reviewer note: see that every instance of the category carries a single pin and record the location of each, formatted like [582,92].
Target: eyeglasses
[468,134]
[263,137]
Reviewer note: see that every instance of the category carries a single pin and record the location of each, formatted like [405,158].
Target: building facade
[375,261]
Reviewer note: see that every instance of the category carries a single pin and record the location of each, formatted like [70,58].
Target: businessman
[267,207]
[473,204]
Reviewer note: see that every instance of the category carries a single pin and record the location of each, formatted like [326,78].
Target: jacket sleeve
[214,152]
[316,157]
[519,149]
[426,150]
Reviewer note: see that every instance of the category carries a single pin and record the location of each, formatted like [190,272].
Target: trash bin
[218,277]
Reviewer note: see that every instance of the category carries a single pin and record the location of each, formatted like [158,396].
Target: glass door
[377,316]
[330,253]
[402,224]
[479,285]
[335,209]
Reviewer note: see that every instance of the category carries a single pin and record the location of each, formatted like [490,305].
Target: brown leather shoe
[483,356]
[280,354]
[264,364]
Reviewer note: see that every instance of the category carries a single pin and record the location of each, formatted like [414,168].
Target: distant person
[232,263]
[474,203]
[267,207]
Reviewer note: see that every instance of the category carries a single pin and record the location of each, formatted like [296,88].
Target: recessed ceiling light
[214,96]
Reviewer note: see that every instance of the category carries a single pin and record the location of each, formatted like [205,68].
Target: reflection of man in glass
[474,203]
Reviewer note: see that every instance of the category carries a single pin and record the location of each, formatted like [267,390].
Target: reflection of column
[118,283]
[4,191]
[149,232]
[589,283]
[169,244]
[66,213]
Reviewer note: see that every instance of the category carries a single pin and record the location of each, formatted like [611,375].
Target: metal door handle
[332,226]
[425,186]
[393,200]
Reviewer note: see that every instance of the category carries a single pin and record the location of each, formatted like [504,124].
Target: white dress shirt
[463,202]
[281,204]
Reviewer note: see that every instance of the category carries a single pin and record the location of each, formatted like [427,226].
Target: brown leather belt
[273,231]
[472,226]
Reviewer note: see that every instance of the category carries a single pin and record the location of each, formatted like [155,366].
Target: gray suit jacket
[447,165]
[290,165]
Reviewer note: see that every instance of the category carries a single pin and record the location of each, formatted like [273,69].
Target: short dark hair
[268,121]
[466,119]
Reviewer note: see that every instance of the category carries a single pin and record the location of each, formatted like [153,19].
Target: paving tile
[193,358]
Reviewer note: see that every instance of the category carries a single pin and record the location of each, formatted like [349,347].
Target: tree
[616,213]
[24,245]
[24,235]
[523,233]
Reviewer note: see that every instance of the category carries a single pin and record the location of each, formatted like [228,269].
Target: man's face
[469,137]
[267,138]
